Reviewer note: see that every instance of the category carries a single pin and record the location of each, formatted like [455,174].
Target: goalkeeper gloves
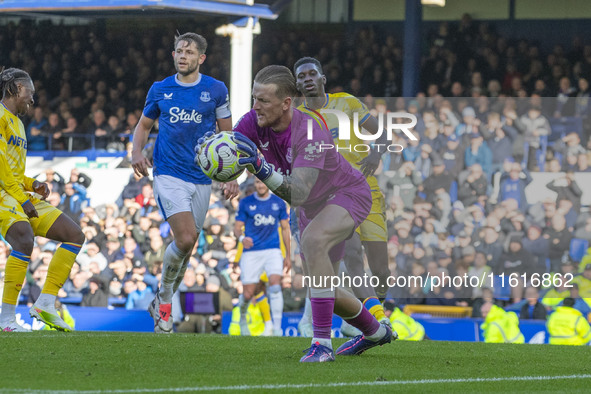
[255,163]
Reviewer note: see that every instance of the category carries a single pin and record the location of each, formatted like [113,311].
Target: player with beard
[187,105]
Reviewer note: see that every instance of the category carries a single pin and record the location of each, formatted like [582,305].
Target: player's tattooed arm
[296,188]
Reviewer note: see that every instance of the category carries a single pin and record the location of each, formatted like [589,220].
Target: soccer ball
[218,158]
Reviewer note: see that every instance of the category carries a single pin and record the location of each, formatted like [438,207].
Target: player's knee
[353,256]
[274,289]
[21,238]
[185,242]
[77,236]
[313,244]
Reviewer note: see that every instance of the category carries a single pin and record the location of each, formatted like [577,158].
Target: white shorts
[173,195]
[252,264]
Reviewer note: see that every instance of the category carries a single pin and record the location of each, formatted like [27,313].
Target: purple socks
[364,321]
[322,309]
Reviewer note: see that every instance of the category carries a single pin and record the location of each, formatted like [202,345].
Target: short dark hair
[568,301]
[9,79]
[306,60]
[281,77]
[198,39]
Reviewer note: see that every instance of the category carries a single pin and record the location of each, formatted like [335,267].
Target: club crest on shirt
[288,156]
[275,207]
[205,97]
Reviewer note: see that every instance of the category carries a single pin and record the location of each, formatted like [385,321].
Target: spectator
[470,123]
[482,271]
[403,183]
[513,185]
[80,178]
[516,261]
[76,284]
[558,238]
[55,181]
[97,293]
[583,230]
[499,137]
[141,297]
[473,186]
[156,251]
[100,130]
[36,136]
[565,99]
[53,130]
[453,155]
[69,137]
[537,245]
[478,153]
[533,308]
[423,161]
[533,125]
[439,181]
[73,200]
[90,254]
[490,245]
[567,188]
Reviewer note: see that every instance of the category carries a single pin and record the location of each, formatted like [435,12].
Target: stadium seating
[578,248]
[562,126]
[501,288]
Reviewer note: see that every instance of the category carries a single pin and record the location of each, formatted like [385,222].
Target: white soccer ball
[218,158]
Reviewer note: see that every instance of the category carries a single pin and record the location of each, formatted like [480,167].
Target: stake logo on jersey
[184,116]
[261,219]
[185,112]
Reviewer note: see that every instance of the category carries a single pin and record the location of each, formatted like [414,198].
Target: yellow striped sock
[60,266]
[373,305]
[263,304]
[14,276]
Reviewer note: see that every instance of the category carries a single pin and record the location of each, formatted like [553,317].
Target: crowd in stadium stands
[456,201]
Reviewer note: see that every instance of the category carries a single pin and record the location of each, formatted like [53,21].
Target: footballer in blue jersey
[261,214]
[187,105]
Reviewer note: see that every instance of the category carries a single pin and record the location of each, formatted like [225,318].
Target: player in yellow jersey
[24,213]
[372,233]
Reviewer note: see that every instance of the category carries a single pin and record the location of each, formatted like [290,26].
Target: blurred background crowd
[492,111]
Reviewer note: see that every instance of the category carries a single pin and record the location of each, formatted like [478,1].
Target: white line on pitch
[303,386]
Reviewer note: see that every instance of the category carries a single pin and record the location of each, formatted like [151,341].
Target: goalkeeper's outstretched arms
[294,189]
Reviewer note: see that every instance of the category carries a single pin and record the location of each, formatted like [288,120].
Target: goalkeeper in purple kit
[331,197]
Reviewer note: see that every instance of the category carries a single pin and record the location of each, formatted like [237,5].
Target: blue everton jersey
[261,220]
[185,112]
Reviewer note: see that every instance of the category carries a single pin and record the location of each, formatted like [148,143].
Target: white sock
[307,316]
[46,302]
[171,267]
[276,303]
[379,334]
[181,275]
[243,308]
[8,313]
[323,341]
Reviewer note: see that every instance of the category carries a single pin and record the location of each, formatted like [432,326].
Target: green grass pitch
[96,362]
